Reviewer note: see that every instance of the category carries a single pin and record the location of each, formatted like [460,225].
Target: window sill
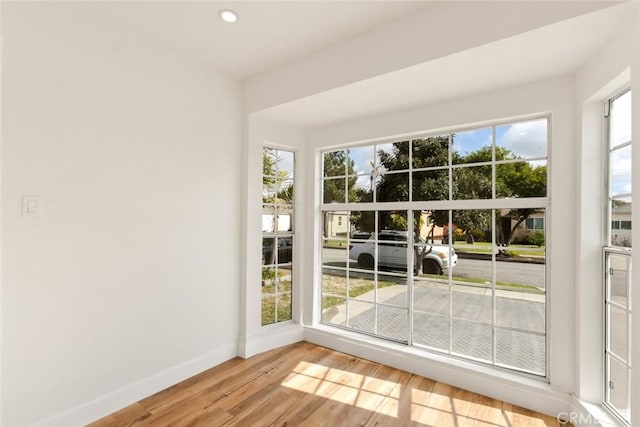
[591,414]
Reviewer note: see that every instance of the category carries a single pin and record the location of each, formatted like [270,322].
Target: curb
[503,258]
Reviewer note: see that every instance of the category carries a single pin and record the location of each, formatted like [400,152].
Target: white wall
[607,73]
[128,280]
[555,96]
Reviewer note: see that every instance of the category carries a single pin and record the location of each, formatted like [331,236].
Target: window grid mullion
[450,205]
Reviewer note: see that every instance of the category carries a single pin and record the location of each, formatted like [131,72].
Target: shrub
[528,237]
[478,235]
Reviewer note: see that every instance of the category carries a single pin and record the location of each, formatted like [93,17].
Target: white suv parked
[392,252]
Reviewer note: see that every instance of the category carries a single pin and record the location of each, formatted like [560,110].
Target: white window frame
[277,234]
[492,204]
[610,250]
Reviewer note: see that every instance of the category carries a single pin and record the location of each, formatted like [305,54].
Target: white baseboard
[127,395]
[512,388]
[271,337]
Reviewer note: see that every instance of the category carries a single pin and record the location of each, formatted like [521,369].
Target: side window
[277,234]
[617,260]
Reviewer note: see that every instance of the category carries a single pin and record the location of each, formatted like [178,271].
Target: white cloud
[621,120]
[528,139]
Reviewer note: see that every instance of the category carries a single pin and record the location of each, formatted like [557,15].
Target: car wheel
[429,266]
[365,260]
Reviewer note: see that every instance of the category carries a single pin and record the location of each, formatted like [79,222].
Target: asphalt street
[507,272]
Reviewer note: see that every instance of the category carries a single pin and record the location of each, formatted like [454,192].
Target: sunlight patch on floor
[346,387]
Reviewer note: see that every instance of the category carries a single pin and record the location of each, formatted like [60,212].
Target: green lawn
[485,248]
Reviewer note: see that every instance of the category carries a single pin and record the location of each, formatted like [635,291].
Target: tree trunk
[512,233]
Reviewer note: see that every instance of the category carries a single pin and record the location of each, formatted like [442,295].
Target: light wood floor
[304,384]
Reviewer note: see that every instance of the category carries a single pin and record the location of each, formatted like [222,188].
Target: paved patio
[471,311]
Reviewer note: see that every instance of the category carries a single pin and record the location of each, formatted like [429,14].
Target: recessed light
[228,15]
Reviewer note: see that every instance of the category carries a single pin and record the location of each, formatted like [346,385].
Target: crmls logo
[575,418]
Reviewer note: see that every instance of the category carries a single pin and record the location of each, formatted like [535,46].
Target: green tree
[335,166]
[513,179]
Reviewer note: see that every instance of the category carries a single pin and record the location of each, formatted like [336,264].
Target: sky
[620,166]
[525,139]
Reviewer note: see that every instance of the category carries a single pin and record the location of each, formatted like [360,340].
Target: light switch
[31,206]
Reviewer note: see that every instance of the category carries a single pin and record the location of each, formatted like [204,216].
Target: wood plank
[309,385]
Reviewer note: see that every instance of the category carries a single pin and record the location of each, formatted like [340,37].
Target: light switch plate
[31,206]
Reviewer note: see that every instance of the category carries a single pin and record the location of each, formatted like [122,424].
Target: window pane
[362,286]
[392,289]
[472,183]
[392,322]
[268,280]
[269,251]
[360,188]
[392,156]
[520,271]
[285,250]
[619,277]
[521,179]
[268,309]
[431,185]
[431,295]
[473,302]
[618,331]
[472,146]
[621,171]
[430,152]
[334,310]
[284,307]
[285,218]
[620,131]
[269,190]
[520,350]
[393,187]
[392,225]
[361,160]
[472,339]
[434,226]
[522,140]
[277,239]
[361,316]
[363,224]
[334,255]
[621,211]
[268,219]
[618,390]
[472,233]
[284,194]
[335,163]
[336,227]
[285,164]
[334,282]
[520,310]
[392,241]
[333,190]
[269,165]
[431,330]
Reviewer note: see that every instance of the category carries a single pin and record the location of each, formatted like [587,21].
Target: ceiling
[273,35]
[554,50]
[267,34]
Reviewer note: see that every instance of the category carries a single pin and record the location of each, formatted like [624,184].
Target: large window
[435,248]
[277,234]
[617,260]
